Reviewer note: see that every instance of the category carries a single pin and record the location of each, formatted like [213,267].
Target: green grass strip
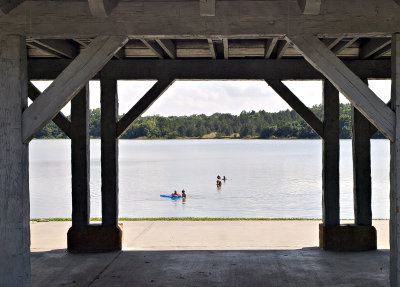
[192,219]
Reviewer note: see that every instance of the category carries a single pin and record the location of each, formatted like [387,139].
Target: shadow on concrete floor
[302,267]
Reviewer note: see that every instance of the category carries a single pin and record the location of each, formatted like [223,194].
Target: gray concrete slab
[240,253]
[302,267]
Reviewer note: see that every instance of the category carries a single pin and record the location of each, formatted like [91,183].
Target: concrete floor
[265,253]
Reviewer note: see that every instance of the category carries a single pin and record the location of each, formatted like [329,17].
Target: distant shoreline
[192,219]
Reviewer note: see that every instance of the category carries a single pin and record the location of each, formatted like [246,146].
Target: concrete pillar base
[347,237]
[95,238]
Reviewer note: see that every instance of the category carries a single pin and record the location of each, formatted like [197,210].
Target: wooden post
[80,158]
[330,157]
[361,167]
[395,168]
[109,151]
[14,172]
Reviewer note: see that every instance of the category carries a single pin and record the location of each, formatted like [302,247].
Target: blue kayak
[171,196]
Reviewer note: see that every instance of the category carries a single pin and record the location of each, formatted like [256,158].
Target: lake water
[266,178]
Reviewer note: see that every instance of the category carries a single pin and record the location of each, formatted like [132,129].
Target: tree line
[261,125]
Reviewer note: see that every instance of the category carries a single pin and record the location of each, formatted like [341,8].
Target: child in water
[183,193]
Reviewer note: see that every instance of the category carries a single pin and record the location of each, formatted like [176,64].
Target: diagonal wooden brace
[143,104]
[69,83]
[349,84]
[60,119]
[311,119]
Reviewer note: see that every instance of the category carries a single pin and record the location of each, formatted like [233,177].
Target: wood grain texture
[80,158]
[351,86]
[109,151]
[286,94]
[245,69]
[176,19]
[14,172]
[310,7]
[69,82]
[395,168]
[361,148]
[143,104]
[330,156]
[60,119]
[102,8]
[6,6]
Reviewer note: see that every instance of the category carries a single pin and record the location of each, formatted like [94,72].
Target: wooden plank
[15,266]
[395,168]
[60,119]
[102,8]
[59,48]
[80,158]
[361,148]
[373,46]
[68,83]
[310,7]
[343,45]
[269,47]
[382,52]
[357,92]
[180,19]
[152,45]
[207,7]
[331,42]
[109,151]
[212,49]
[143,104]
[168,46]
[225,44]
[286,94]
[6,6]
[245,69]
[281,48]
[330,156]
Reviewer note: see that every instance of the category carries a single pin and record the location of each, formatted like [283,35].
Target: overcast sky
[208,97]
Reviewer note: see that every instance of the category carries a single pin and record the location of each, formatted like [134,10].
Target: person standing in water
[183,193]
[219,182]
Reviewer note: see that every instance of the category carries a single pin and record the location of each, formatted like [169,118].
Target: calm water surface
[266,178]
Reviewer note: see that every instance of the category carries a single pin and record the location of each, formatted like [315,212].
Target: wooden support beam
[168,46]
[143,104]
[60,119]
[310,7]
[102,8]
[308,116]
[68,83]
[7,5]
[331,42]
[212,49]
[225,43]
[80,158]
[395,168]
[372,46]
[355,90]
[207,7]
[109,151]
[59,48]
[152,45]
[269,47]
[361,147]
[15,268]
[330,156]
[381,52]
[281,48]
[208,69]
[343,45]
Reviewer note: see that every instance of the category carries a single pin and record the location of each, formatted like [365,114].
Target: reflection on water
[267,178]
